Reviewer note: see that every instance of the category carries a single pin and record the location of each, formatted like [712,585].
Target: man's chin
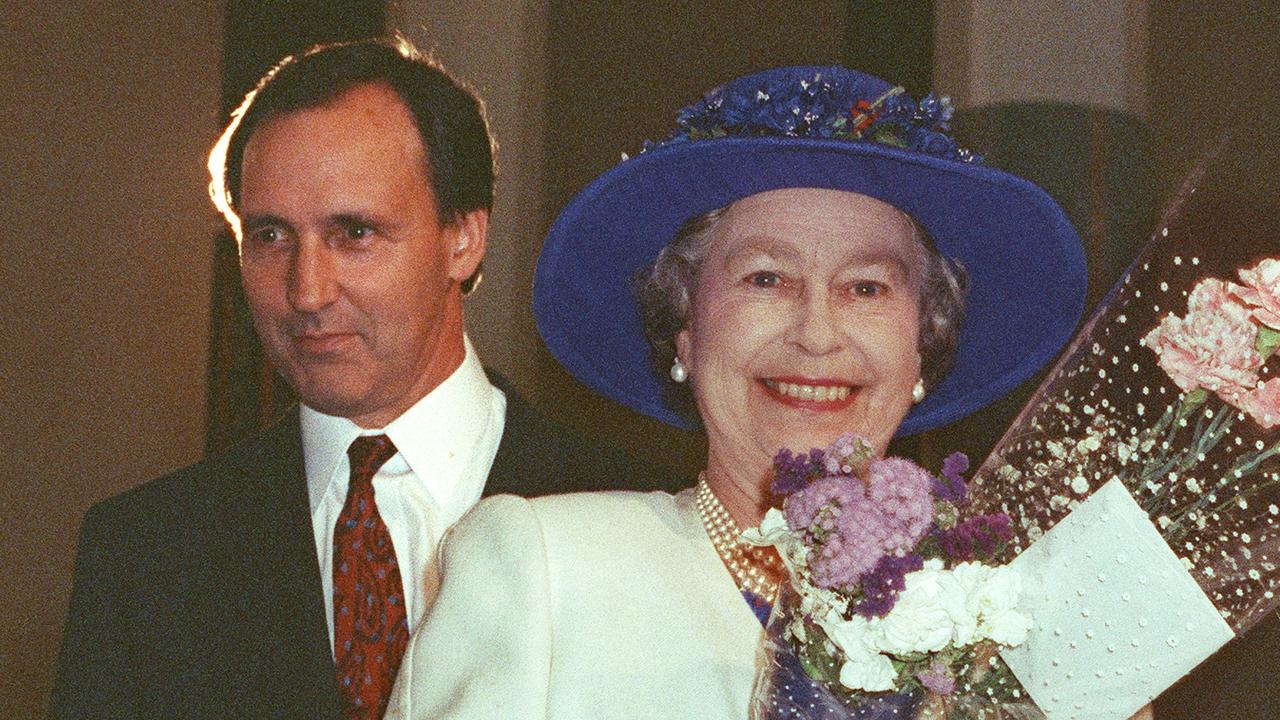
[332,398]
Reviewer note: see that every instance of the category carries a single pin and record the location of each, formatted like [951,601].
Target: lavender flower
[881,586]
[937,679]
[900,490]
[848,455]
[851,526]
[976,538]
[952,488]
[855,543]
[824,497]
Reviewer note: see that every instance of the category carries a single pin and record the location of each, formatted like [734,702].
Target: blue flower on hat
[817,106]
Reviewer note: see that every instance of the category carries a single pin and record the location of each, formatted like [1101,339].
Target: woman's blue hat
[812,127]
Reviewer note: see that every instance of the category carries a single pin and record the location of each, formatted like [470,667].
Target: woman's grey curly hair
[664,291]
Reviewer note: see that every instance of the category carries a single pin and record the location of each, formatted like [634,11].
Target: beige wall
[105,278]
[998,51]
[500,50]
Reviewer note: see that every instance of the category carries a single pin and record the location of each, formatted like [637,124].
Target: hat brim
[1025,261]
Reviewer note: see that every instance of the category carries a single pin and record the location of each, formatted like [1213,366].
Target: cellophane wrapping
[1173,387]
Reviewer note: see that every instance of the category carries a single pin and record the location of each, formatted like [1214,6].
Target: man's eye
[357,231]
[764,279]
[266,235]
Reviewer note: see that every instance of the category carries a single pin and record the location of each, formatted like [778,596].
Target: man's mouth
[820,394]
[320,343]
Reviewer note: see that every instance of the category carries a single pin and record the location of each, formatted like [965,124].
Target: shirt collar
[435,436]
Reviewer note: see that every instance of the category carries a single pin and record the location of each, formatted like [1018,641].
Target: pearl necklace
[754,569]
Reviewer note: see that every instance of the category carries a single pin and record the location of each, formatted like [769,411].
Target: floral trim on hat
[815,107]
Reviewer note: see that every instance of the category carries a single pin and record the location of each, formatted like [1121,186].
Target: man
[280,579]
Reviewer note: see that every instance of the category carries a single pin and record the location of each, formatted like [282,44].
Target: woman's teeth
[815,393]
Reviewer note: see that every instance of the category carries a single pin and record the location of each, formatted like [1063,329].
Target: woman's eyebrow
[761,246]
[878,259]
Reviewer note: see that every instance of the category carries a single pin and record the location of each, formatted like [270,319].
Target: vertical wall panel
[104,268]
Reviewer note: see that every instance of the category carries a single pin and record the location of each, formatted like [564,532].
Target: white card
[1117,618]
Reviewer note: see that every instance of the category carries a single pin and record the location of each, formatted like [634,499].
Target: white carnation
[864,668]
[924,617]
[872,673]
[993,595]
[773,530]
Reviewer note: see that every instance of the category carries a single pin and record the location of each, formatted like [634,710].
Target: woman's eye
[764,279]
[868,289]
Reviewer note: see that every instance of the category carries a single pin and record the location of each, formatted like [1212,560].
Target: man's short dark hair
[450,119]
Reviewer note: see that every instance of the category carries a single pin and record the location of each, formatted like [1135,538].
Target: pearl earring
[917,392]
[678,371]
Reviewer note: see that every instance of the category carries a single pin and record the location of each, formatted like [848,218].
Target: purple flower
[820,105]
[936,679]
[854,542]
[848,455]
[951,488]
[793,472]
[881,586]
[976,538]
[824,497]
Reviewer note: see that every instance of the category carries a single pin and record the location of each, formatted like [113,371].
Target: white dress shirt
[446,442]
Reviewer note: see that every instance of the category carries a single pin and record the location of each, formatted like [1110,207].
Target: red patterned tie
[370,629]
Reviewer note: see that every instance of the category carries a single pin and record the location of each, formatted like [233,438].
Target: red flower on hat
[863,114]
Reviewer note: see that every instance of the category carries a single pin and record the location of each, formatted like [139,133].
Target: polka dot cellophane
[1207,473]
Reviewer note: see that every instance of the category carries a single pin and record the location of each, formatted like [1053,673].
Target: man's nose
[814,327]
[313,278]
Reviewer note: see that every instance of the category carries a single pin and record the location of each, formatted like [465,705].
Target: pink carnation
[1261,291]
[1262,404]
[1212,347]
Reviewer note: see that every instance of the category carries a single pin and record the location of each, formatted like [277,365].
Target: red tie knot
[367,454]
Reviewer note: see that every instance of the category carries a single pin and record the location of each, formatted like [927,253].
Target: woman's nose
[814,328]
[313,280]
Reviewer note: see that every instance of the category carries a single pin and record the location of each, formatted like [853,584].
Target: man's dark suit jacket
[198,595]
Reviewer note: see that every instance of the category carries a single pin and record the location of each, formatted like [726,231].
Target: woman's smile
[810,393]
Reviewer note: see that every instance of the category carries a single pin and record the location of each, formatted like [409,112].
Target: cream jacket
[593,605]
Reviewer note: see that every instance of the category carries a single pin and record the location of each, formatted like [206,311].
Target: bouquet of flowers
[1168,400]
[891,608]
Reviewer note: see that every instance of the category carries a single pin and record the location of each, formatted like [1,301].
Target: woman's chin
[805,430]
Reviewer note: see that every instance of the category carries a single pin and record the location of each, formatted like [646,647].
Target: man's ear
[466,238]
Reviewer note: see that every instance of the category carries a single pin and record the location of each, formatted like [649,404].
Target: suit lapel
[519,466]
[282,620]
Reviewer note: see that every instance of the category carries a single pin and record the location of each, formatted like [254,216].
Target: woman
[802,297]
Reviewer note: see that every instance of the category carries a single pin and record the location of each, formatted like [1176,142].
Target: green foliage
[1268,341]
